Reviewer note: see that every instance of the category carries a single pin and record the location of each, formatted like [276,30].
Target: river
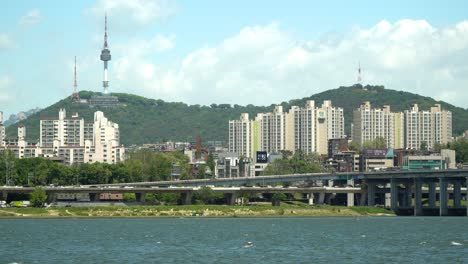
[224,240]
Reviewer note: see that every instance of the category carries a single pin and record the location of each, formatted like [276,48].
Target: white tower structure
[105,57]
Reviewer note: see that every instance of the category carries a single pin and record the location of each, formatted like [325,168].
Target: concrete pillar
[408,195]
[363,198]
[94,197]
[310,196]
[329,197]
[140,197]
[371,193]
[51,197]
[350,196]
[230,198]
[4,195]
[393,194]
[350,199]
[466,196]
[443,210]
[321,198]
[388,200]
[457,194]
[418,197]
[432,194]
[186,198]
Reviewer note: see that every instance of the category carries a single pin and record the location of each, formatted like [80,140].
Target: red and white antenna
[75,95]
[75,84]
[105,32]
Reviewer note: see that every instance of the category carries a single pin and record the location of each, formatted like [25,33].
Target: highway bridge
[402,191]
[307,177]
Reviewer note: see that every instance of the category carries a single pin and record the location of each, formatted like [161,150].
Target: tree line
[141,165]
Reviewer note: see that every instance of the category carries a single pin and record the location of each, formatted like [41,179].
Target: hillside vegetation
[144,120]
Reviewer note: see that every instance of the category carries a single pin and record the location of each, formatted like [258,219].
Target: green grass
[284,210]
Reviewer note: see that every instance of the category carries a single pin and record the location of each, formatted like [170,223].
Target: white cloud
[31,18]
[5,84]
[5,41]
[266,64]
[140,11]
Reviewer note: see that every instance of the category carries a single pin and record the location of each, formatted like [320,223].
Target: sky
[238,52]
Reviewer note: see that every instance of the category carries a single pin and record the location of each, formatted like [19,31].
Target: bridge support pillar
[408,195]
[371,193]
[350,200]
[186,198]
[362,198]
[230,198]
[321,198]
[310,196]
[140,197]
[393,194]
[467,196]
[418,197]
[94,197]
[4,195]
[432,194]
[51,197]
[350,196]
[329,197]
[457,194]
[443,210]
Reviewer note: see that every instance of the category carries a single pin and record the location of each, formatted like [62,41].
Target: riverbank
[194,211]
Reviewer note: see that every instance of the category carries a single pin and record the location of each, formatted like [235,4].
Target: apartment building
[302,128]
[272,130]
[64,140]
[370,123]
[427,127]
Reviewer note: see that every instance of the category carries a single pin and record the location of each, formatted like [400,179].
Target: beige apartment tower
[427,127]
[370,123]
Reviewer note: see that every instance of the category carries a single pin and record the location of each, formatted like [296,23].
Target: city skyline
[173,50]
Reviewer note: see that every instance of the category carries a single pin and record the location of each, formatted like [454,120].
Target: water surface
[223,240]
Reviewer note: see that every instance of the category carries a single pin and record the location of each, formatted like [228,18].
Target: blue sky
[203,52]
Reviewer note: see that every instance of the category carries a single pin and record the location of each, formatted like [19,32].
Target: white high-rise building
[240,136]
[73,141]
[272,130]
[309,128]
[329,125]
[427,127]
[303,128]
[62,131]
[300,128]
[370,123]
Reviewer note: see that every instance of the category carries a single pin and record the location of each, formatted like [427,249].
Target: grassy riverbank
[194,211]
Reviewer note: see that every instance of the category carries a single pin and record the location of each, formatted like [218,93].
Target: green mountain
[143,120]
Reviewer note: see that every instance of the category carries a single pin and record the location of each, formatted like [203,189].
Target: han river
[225,240]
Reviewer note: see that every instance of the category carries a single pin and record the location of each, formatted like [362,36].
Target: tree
[277,198]
[423,145]
[38,197]
[377,143]
[297,163]
[210,163]
[206,195]
[353,146]
[461,150]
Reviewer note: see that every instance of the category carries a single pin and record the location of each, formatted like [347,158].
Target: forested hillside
[144,120]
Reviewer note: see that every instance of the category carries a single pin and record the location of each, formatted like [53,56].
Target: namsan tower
[105,100]
[105,57]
